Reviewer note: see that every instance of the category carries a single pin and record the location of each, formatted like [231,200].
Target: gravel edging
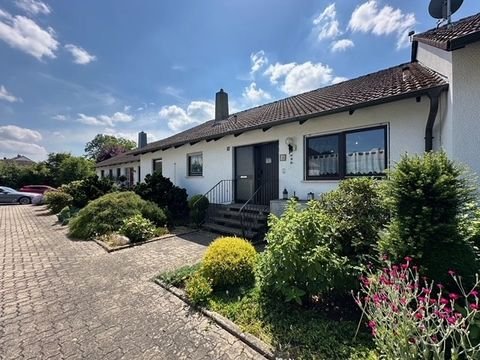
[250,340]
[110,249]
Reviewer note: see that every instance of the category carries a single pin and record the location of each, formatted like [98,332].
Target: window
[102,173]
[119,172]
[350,153]
[195,164]
[110,173]
[157,166]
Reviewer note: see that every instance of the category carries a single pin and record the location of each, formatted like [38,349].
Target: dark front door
[256,168]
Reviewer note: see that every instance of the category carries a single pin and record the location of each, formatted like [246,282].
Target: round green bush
[107,214]
[152,212]
[57,200]
[198,288]
[198,205]
[229,261]
[137,228]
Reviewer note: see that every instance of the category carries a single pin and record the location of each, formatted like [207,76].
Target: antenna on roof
[443,10]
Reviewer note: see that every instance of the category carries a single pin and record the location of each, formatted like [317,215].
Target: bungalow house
[306,143]
[19,160]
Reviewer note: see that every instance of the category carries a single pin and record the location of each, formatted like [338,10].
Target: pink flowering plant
[412,318]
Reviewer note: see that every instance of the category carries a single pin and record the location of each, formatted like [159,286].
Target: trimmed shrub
[107,213]
[229,261]
[198,288]
[153,213]
[428,197]
[57,200]
[357,207]
[137,228]
[302,257]
[198,206]
[66,214]
[162,192]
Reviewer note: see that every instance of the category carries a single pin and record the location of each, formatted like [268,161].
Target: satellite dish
[438,9]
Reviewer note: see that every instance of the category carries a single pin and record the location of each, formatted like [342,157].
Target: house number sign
[268,160]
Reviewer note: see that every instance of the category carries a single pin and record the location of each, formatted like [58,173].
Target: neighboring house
[19,160]
[308,142]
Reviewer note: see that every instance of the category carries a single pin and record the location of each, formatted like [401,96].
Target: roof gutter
[434,96]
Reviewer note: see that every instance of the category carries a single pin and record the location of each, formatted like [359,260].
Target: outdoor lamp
[291,144]
[285,194]
[310,196]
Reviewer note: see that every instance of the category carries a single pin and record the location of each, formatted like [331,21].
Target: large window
[195,164]
[350,153]
[157,166]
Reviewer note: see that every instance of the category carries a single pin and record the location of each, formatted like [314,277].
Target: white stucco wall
[466,106]
[123,170]
[406,120]
[441,62]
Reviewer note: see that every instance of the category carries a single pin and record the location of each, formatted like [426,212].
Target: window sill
[194,177]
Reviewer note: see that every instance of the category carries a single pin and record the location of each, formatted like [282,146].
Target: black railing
[253,211]
[220,194]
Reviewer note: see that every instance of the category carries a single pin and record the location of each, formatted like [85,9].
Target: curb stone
[255,343]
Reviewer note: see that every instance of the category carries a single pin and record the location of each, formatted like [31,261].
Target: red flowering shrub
[410,318]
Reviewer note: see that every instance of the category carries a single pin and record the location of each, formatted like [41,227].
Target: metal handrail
[208,192]
[242,209]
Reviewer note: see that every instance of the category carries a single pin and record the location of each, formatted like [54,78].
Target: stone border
[110,249]
[252,341]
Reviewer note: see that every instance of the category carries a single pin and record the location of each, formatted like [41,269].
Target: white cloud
[180,119]
[339,79]
[17,140]
[59,117]
[104,120]
[275,72]
[24,34]
[258,60]
[254,95]
[342,45]
[368,17]
[5,95]
[12,132]
[80,55]
[298,78]
[33,7]
[172,91]
[326,25]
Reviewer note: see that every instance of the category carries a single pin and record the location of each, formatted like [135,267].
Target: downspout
[434,96]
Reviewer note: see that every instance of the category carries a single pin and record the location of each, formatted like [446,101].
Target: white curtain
[366,162]
[319,165]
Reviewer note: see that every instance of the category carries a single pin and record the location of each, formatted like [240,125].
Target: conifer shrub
[229,261]
[198,205]
[428,196]
[198,288]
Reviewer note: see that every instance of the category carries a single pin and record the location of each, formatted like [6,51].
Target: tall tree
[103,147]
[75,168]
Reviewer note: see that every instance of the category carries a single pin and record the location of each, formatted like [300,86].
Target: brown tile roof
[119,159]
[406,80]
[461,33]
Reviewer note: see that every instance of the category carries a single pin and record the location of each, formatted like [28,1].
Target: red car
[38,189]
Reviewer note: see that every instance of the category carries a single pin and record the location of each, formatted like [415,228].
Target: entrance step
[227,219]
[226,230]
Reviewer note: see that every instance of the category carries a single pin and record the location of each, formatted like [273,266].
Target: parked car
[9,195]
[37,189]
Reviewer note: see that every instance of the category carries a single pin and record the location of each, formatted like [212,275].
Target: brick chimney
[221,105]
[142,139]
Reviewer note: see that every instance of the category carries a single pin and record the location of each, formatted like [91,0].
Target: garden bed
[276,329]
[176,232]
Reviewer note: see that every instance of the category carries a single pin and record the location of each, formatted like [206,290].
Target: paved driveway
[62,299]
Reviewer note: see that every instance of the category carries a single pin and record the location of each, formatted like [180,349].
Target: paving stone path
[63,299]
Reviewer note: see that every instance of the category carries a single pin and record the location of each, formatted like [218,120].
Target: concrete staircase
[227,220]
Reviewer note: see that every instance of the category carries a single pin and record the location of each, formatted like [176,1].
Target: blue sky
[72,69]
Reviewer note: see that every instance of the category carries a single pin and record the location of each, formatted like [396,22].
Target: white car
[9,195]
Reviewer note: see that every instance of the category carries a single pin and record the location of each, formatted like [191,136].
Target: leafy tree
[103,147]
[75,168]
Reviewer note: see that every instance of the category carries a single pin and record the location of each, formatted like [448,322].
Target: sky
[72,69]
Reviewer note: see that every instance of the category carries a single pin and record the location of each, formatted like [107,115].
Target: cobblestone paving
[62,299]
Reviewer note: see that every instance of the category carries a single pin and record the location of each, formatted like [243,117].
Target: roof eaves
[303,118]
